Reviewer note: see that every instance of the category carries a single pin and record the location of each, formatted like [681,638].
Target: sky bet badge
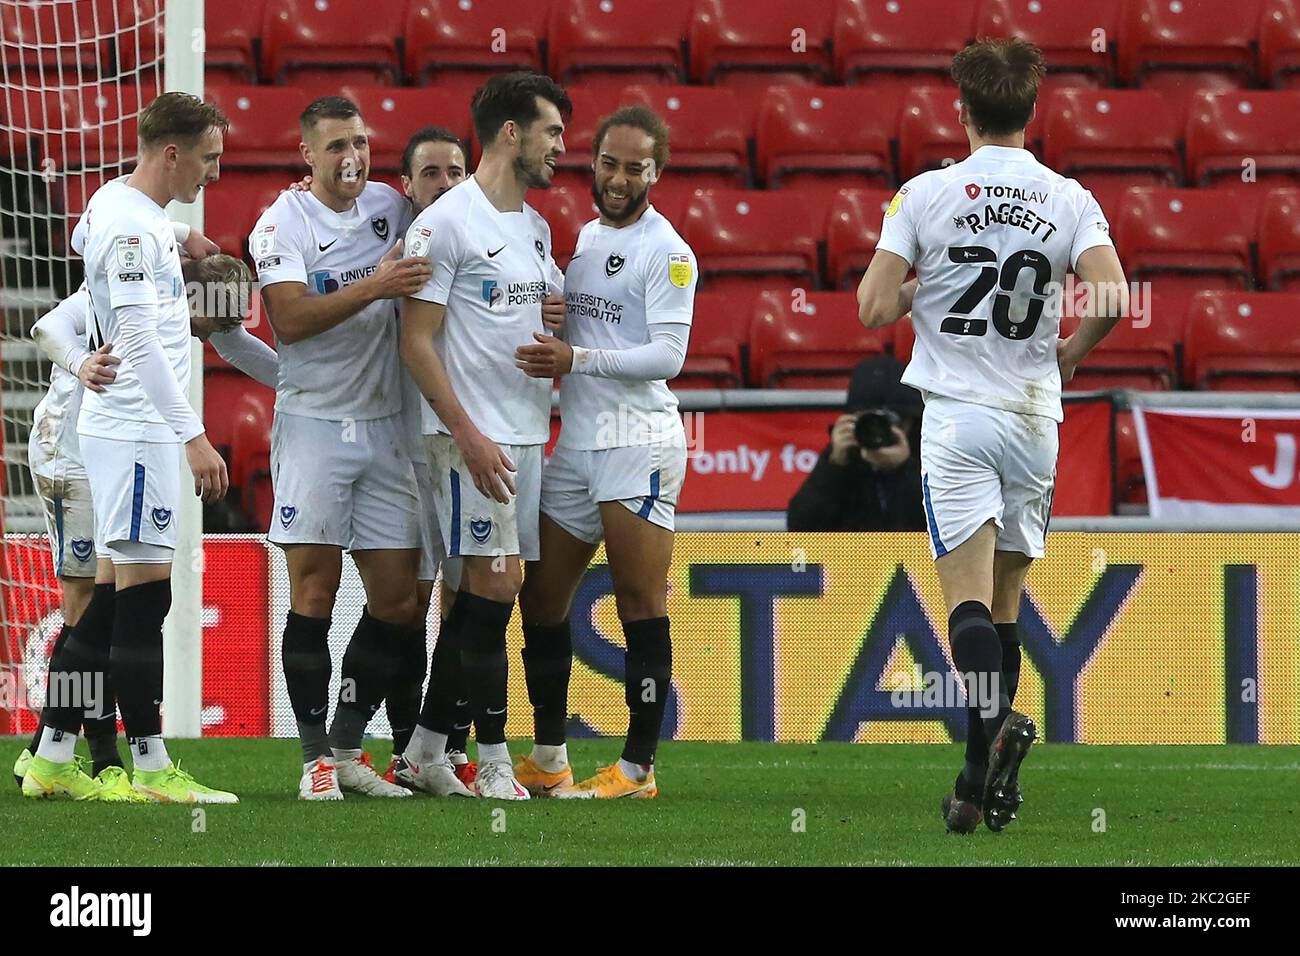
[420,239]
[679,269]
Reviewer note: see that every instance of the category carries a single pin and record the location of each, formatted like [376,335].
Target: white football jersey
[131,256]
[619,283]
[349,371]
[53,450]
[991,239]
[491,270]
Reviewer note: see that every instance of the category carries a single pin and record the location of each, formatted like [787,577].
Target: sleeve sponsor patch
[130,277]
[896,202]
[268,263]
[263,241]
[679,269]
[418,241]
[129,252]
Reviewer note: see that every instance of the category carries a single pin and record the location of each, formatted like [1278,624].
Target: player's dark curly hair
[430,134]
[998,79]
[513,96]
[638,117]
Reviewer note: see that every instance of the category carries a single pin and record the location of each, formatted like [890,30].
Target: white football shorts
[474,524]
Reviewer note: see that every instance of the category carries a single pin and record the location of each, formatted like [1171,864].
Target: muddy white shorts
[474,524]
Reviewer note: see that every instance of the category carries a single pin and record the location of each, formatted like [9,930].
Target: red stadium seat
[1188,44]
[1244,341]
[1224,129]
[719,326]
[1140,352]
[65,42]
[229,29]
[388,114]
[752,239]
[761,42]
[76,127]
[250,451]
[708,146]
[233,204]
[331,42]
[618,40]
[826,138]
[452,38]
[223,392]
[1279,240]
[1066,32]
[1130,480]
[852,231]
[929,135]
[1193,238]
[591,104]
[1279,43]
[1112,135]
[813,348]
[885,42]
[264,130]
[567,209]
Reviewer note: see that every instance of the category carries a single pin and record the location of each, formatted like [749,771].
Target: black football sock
[446,676]
[135,662]
[78,662]
[486,668]
[305,655]
[548,662]
[369,667]
[647,676]
[59,642]
[977,652]
[1010,636]
[403,703]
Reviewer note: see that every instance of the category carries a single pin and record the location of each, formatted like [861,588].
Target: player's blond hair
[220,288]
[179,118]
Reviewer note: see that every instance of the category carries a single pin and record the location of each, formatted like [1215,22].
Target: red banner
[1220,463]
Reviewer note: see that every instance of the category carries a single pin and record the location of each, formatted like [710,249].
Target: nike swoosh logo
[496,713]
[327,245]
[492,255]
[317,711]
[462,703]
[554,786]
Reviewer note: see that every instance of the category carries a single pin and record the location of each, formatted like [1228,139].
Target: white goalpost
[76,75]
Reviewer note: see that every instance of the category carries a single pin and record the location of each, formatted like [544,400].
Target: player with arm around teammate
[620,460]
[991,239]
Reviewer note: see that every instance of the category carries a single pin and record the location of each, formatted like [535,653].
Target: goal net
[76,75]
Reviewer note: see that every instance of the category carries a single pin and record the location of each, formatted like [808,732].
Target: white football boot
[496,781]
[436,777]
[358,775]
[320,781]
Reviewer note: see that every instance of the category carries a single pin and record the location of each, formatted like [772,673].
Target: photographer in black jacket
[869,477]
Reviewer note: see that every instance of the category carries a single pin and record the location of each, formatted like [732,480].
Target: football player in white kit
[130,437]
[618,466]
[54,454]
[328,264]
[991,239]
[489,422]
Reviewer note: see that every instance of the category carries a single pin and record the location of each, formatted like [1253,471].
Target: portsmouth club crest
[614,264]
[380,225]
[162,517]
[480,529]
[287,514]
[541,249]
[82,549]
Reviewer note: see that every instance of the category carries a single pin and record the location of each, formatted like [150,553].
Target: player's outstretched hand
[1066,359]
[209,469]
[97,369]
[553,311]
[491,467]
[197,246]
[548,358]
[396,278]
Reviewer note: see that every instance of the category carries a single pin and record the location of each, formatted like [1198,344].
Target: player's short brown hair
[513,96]
[998,79]
[326,107]
[220,289]
[638,117]
[178,118]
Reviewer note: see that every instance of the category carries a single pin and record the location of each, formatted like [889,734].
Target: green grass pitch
[723,804]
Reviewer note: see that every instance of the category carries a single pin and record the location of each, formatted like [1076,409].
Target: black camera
[875,428]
